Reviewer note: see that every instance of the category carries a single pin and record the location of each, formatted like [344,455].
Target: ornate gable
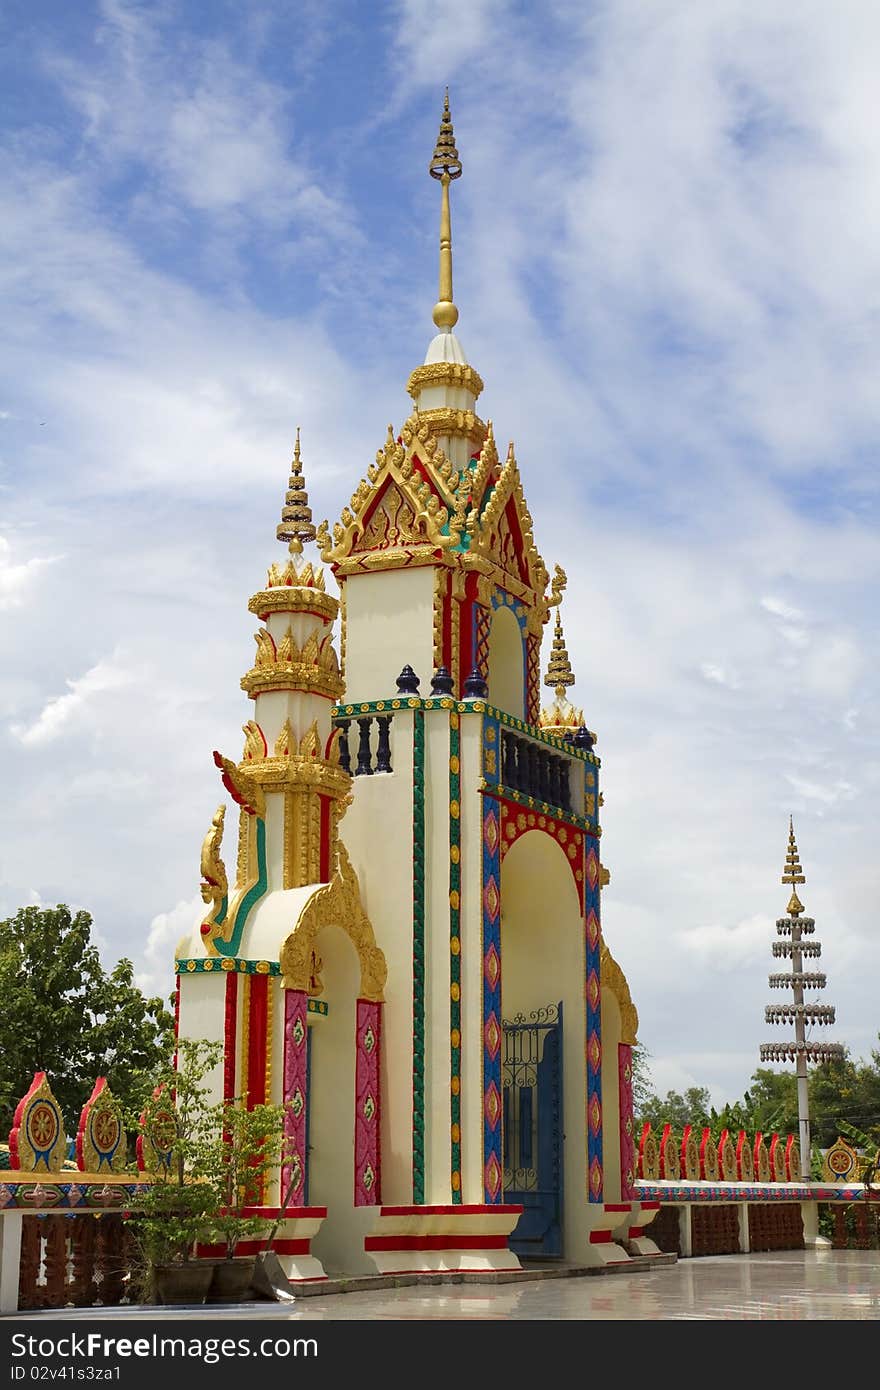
[411,503]
[499,526]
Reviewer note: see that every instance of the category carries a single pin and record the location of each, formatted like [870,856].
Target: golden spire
[562,718]
[793,872]
[445,166]
[296,525]
[559,672]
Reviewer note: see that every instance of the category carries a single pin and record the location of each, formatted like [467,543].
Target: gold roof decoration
[285,665]
[486,469]
[337,903]
[559,672]
[414,507]
[562,716]
[296,527]
[614,980]
[295,530]
[793,872]
[411,502]
[296,585]
[501,532]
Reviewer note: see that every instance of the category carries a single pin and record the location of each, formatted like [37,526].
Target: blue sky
[217,224]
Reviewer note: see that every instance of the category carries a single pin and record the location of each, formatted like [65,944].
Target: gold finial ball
[445,314]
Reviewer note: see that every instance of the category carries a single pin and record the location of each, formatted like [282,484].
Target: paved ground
[789,1285]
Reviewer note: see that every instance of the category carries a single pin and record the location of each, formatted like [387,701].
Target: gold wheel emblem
[105,1130]
[43,1125]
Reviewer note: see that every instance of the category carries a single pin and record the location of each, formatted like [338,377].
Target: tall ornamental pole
[795,927]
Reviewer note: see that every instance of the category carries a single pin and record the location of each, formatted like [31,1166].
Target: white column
[10,1259]
[743,1216]
[812,1239]
[684,1229]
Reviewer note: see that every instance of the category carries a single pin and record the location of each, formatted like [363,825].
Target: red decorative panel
[777,1160]
[100,1138]
[367,1162]
[296,1043]
[446,624]
[791,1167]
[230,1028]
[37,1139]
[257,1028]
[745,1167]
[709,1164]
[176,1017]
[627,1140]
[324,848]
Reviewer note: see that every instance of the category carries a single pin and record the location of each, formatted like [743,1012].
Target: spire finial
[445,166]
[296,515]
[793,872]
[559,672]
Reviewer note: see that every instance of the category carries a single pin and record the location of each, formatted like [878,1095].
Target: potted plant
[247,1152]
[177,1142]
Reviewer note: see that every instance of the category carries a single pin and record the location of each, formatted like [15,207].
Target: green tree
[64,1014]
[692,1108]
[642,1090]
[847,1091]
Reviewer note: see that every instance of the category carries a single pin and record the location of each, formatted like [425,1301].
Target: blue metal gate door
[532,1089]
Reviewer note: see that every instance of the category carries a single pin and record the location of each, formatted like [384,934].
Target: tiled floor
[790,1285]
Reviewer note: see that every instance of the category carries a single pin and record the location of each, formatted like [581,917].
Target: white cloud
[61,711]
[834,670]
[16,579]
[717,675]
[825,794]
[434,44]
[212,130]
[154,972]
[780,609]
[743,943]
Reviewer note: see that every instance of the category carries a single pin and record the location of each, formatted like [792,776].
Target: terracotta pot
[183,1283]
[232,1279]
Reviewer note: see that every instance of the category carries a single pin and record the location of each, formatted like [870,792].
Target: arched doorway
[543,1068]
[342,1140]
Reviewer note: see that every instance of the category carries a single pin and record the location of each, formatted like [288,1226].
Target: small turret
[561,717]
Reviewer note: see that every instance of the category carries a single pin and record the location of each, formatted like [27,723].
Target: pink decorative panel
[296,1055]
[367,1165]
[627,1142]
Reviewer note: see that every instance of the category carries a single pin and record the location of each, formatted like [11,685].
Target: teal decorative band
[207,965]
[253,895]
[318,1006]
[418,957]
[414,702]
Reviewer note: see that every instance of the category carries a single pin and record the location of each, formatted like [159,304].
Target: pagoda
[408,953]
